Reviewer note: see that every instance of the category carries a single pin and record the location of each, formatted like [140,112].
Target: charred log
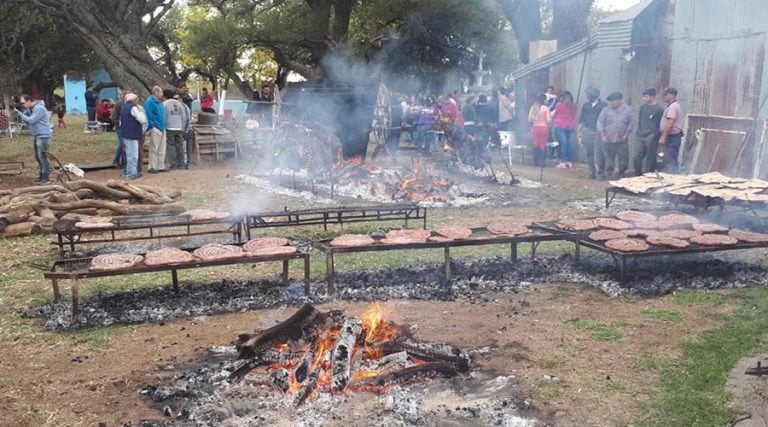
[293,328]
[426,370]
[308,388]
[432,353]
[341,360]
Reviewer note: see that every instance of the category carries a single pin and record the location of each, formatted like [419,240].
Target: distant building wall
[73,96]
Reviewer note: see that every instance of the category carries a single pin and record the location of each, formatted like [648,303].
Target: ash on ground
[475,280]
[200,394]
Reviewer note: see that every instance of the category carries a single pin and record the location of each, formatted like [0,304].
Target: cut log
[15,217]
[99,188]
[21,229]
[341,359]
[115,207]
[437,353]
[47,219]
[83,212]
[293,328]
[57,197]
[143,195]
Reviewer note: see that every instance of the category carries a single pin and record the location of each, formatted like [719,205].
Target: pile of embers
[314,351]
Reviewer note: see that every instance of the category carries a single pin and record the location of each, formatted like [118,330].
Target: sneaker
[134,177]
[561,165]
[569,165]
[152,171]
[161,170]
[42,182]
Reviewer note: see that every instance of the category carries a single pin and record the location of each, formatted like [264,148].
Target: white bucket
[507,138]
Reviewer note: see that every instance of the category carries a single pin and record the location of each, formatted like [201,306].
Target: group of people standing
[604,130]
[164,120]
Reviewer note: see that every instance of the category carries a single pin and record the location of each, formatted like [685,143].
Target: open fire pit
[314,352]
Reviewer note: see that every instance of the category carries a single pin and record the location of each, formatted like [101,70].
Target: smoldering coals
[474,280]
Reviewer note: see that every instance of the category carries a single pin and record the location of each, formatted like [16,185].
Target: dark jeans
[187,140]
[119,159]
[672,152]
[595,153]
[645,156]
[175,147]
[40,145]
[539,157]
[614,150]
[91,113]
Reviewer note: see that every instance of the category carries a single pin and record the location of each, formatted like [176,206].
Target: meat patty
[679,219]
[573,224]
[680,234]
[507,228]
[612,223]
[748,236]
[413,236]
[628,245]
[634,216]
[454,233]
[667,242]
[167,256]
[111,262]
[264,242]
[714,240]
[706,227]
[603,235]
[273,251]
[214,251]
[352,240]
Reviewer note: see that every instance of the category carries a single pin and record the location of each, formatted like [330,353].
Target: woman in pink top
[565,125]
[540,116]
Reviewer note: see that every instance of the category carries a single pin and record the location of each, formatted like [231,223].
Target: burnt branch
[293,328]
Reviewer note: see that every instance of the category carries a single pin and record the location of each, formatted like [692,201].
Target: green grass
[692,391]
[689,297]
[612,387]
[600,331]
[95,338]
[662,315]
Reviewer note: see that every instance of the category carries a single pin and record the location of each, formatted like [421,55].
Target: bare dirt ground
[88,377]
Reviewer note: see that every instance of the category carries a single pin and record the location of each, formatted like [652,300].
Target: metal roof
[555,57]
[614,31]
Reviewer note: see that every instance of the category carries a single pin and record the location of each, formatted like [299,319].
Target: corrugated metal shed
[616,30]
[555,57]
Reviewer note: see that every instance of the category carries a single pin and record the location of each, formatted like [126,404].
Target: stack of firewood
[29,209]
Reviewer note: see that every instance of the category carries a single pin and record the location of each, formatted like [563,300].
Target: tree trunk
[22,229]
[525,16]
[569,21]
[115,31]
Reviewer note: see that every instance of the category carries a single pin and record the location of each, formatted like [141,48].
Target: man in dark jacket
[647,133]
[132,120]
[90,103]
[37,117]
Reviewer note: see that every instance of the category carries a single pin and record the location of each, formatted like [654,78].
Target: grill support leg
[75,299]
[577,253]
[447,251]
[513,251]
[56,290]
[534,245]
[306,276]
[175,279]
[622,269]
[284,276]
[330,273]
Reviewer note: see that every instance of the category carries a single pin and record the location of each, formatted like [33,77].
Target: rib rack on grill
[264,242]
[167,256]
[215,251]
[109,262]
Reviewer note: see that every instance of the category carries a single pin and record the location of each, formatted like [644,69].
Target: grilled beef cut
[628,245]
[111,262]
[705,227]
[408,236]
[667,242]
[273,251]
[603,235]
[507,228]
[352,240]
[167,256]
[680,234]
[214,251]
[714,240]
[264,242]
[612,223]
[634,216]
[573,224]
[748,236]
[454,233]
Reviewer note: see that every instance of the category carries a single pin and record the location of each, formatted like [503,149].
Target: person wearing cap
[586,133]
[647,134]
[613,127]
[671,127]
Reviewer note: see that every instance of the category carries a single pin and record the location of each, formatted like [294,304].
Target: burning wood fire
[420,185]
[315,352]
